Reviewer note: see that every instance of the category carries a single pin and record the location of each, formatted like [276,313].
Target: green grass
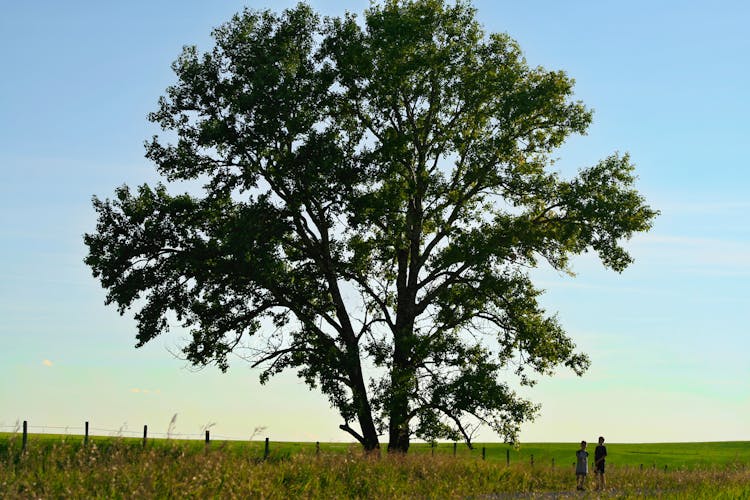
[650,455]
[61,467]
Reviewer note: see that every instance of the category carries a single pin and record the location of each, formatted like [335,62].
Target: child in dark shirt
[600,453]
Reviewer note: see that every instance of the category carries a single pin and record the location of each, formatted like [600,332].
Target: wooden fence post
[86,435]
[317,447]
[25,435]
[532,460]
[483,452]
[432,445]
[454,448]
[553,462]
[208,438]
[265,452]
[507,457]
[145,433]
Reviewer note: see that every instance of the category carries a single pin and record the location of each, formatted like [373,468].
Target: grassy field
[673,455]
[61,467]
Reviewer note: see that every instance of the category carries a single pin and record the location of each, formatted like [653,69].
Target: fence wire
[122,431]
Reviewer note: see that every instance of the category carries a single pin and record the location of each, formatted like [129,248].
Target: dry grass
[121,469]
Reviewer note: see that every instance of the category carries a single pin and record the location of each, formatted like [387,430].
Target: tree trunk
[403,371]
[364,414]
[398,428]
[402,381]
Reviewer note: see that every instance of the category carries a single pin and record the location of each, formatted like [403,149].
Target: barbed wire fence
[122,431]
[86,431]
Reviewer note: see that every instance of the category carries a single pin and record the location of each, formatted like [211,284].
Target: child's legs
[600,475]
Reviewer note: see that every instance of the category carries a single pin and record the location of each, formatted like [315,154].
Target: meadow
[109,467]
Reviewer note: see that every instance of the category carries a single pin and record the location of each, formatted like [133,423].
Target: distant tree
[373,196]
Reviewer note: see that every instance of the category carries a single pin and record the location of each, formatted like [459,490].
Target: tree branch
[357,435]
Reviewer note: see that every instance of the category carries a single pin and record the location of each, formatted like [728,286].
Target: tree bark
[398,429]
[402,373]
[364,414]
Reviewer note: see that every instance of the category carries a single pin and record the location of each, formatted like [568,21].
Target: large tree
[373,196]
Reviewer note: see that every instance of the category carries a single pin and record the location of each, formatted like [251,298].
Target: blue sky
[668,338]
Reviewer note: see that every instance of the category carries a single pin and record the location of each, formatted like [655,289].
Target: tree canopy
[374,194]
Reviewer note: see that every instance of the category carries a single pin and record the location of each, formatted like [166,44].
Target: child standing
[600,453]
[582,466]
